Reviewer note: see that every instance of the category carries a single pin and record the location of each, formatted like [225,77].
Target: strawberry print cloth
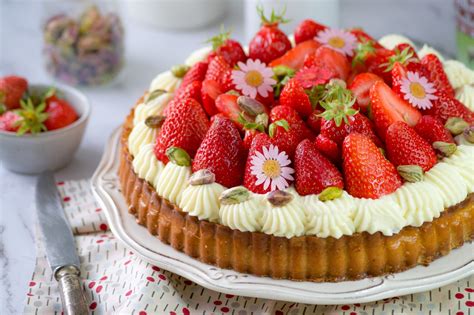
[118,282]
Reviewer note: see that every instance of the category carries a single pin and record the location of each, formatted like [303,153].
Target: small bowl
[50,150]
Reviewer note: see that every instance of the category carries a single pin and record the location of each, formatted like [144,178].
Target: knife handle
[70,290]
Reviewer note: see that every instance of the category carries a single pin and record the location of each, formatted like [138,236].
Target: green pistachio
[234,195]
[154,121]
[411,173]
[250,106]
[444,147]
[202,177]
[456,125]
[154,94]
[279,198]
[180,70]
[330,193]
[468,134]
[178,156]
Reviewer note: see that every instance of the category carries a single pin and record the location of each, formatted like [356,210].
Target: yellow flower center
[417,90]
[271,168]
[336,42]
[254,78]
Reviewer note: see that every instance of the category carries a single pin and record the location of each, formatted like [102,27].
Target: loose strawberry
[220,71]
[191,90]
[328,148]
[437,74]
[446,106]
[196,73]
[313,172]
[307,29]
[368,174]
[287,129]
[210,90]
[331,59]
[184,127]
[294,95]
[432,129]
[267,166]
[60,113]
[387,108]
[406,147]
[228,48]
[10,121]
[227,105]
[222,153]
[360,87]
[270,42]
[295,58]
[12,89]
[309,77]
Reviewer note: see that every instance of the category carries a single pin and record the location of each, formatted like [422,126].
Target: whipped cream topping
[458,74]
[245,216]
[173,180]
[198,55]
[331,218]
[141,135]
[379,215]
[450,184]
[165,81]
[202,201]
[420,202]
[463,161]
[287,221]
[390,41]
[425,50]
[465,95]
[146,165]
[151,108]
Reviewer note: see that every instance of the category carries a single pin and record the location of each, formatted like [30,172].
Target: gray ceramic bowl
[47,151]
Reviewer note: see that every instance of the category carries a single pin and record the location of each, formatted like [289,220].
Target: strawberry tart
[322,156]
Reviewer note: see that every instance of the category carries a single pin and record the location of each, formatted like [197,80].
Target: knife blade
[60,246]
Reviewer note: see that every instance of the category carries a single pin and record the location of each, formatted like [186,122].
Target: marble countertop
[148,52]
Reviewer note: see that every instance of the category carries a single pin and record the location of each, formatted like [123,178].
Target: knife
[60,246]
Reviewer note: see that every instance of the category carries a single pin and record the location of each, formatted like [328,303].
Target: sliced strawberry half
[360,87]
[294,58]
[209,92]
[331,59]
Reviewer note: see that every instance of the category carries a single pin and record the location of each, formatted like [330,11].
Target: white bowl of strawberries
[41,126]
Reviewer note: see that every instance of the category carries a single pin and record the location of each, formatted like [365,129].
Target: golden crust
[305,258]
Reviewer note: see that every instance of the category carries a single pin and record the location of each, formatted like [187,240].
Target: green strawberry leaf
[362,51]
[219,40]
[403,57]
[337,102]
[279,123]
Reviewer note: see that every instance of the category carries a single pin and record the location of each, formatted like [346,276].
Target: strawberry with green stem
[270,42]
[229,49]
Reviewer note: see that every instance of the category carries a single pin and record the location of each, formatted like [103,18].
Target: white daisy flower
[339,40]
[253,77]
[271,168]
[418,91]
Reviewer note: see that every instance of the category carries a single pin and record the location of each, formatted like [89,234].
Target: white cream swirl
[245,216]
[165,81]
[449,182]
[458,74]
[379,215]
[151,108]
[465,95]
[330,218]
[463,161]
[202,201]
[141,135]
[172,181]
[198,55]
[420,202]
[425,50]
[289,220]
[146,165]
[390,41]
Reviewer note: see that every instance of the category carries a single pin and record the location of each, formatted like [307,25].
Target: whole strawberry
[405,147]
[270,42]
[191,90]
[195,73]
[59,112]
[325,56]
[220,71]
[432,129]
[12,89]
[184,127]
[313,172]
[295,96]
[222,153]
[268,167]
[368,174]
[307,29]
[228,48]
[446,106]
[328,148]
[363,37]
[10,121]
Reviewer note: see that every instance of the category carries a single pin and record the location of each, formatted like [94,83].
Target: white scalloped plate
[458,264]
